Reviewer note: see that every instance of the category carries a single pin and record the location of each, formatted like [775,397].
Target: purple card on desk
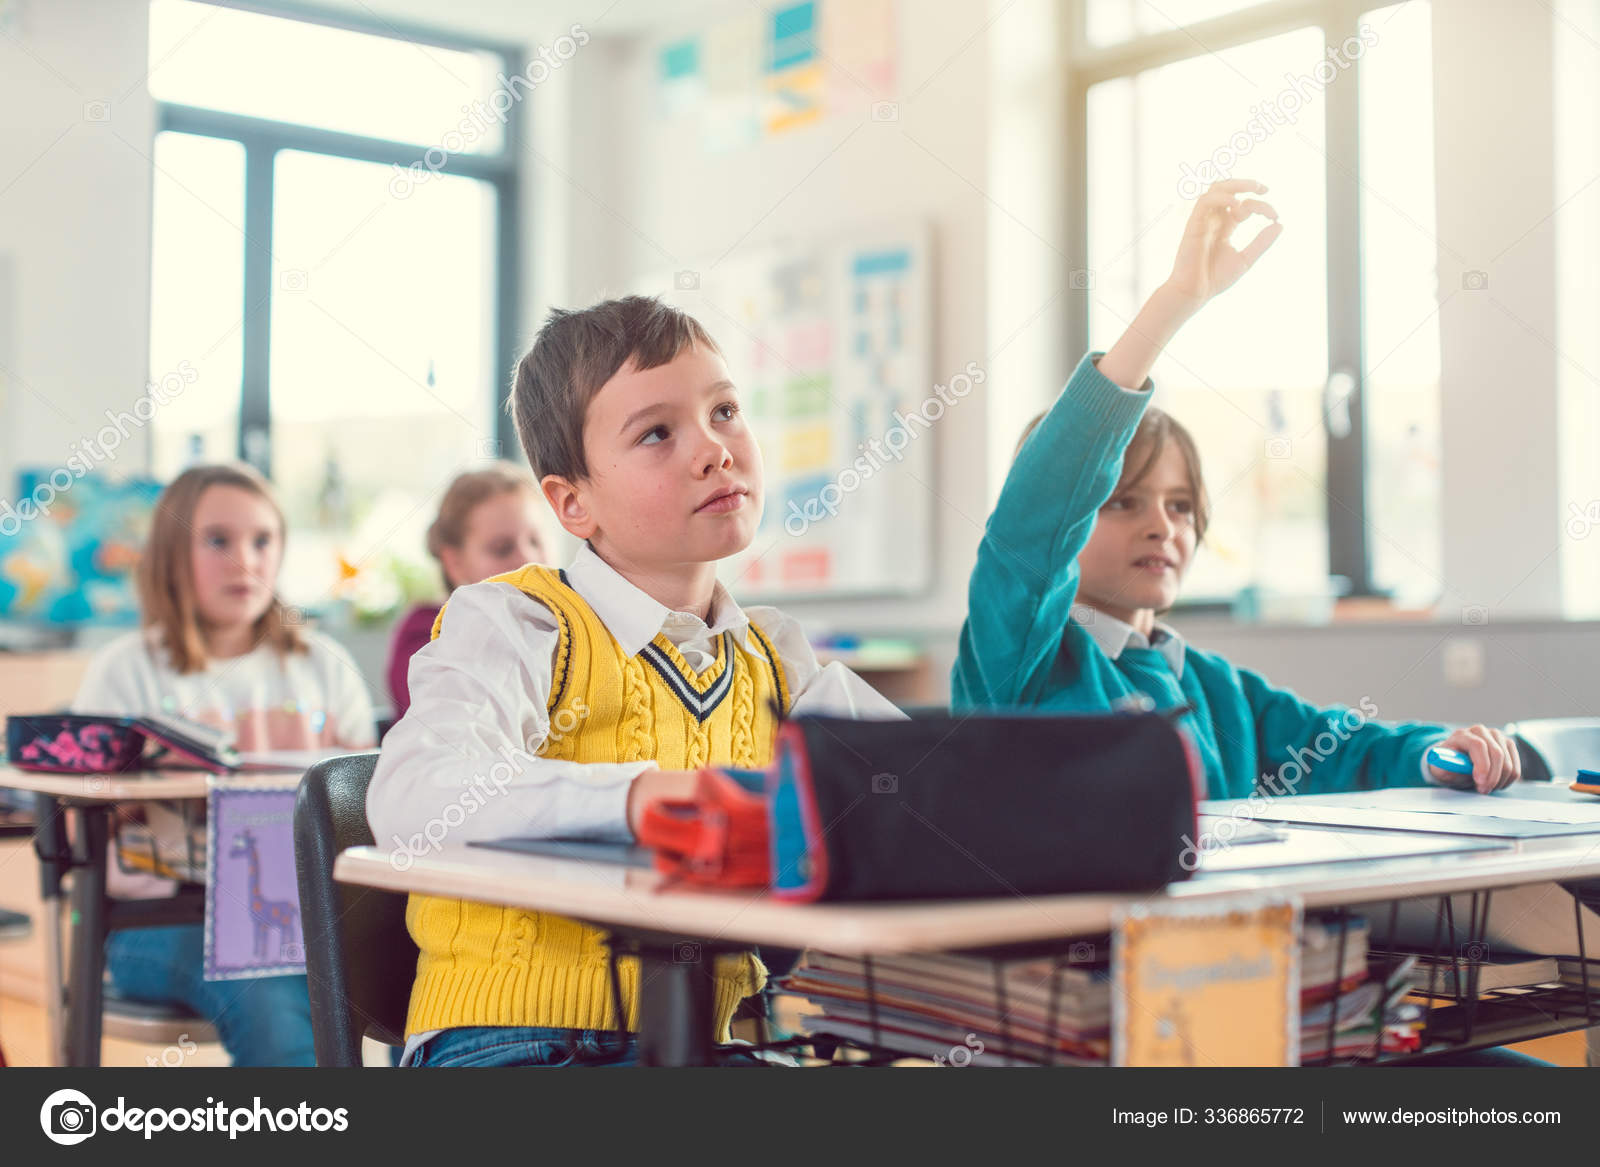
[252,899]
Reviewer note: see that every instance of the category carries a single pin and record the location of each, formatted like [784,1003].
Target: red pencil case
[719,838]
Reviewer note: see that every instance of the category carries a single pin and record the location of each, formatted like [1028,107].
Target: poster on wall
[794,70]
[757,73]
[830,346]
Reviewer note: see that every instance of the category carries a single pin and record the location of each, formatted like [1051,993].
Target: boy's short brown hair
[578,351]
[1156,429]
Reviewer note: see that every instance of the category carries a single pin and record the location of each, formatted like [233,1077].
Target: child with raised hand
[218,646]
[490,521]
[572,698]
[1097,522]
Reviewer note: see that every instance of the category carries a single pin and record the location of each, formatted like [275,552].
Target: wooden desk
[131,786]
[631,901]
[90,799]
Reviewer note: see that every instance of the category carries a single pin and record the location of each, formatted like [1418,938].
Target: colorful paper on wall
[682,87]
[795,73]
[732,66]
[858,43]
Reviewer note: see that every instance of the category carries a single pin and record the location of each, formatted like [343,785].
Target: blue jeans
[263,1021]
[510,1045]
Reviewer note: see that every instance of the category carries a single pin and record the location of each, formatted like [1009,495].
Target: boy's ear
[569,505]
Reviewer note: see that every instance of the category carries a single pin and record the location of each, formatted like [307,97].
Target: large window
[331,258]
[1311,387]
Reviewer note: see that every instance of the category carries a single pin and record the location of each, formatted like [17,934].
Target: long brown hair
[166,569]
[1156,429]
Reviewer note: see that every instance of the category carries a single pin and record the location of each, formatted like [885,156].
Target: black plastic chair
[360,960]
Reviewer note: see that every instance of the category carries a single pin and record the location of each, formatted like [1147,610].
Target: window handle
[1336,395]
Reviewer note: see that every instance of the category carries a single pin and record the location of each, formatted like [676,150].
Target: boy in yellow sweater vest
[558,703]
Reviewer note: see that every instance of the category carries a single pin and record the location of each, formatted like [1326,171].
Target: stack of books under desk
[1056,1009]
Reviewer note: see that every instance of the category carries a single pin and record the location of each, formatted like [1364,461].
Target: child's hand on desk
[653,784]
[1495,761]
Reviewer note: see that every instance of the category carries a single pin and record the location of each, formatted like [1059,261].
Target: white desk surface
[132,785]
[610,894]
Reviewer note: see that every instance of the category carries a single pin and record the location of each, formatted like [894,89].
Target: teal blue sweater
[1022,648]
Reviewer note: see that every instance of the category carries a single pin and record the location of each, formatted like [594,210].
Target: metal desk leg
[54,984]
[88,937]
[50,846]
[675,999]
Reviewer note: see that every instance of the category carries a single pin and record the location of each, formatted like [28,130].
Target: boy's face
[674,472]
[1142,542]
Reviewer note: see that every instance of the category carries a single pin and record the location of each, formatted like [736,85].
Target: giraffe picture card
[252,896]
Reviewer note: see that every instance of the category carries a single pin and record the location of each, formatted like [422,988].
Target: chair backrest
[1561,745]
[360,960]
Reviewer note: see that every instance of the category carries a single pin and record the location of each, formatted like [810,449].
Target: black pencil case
[980,806]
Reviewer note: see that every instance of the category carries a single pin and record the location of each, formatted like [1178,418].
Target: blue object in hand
[1447,759]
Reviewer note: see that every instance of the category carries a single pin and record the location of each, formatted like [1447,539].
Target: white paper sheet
[1438,800]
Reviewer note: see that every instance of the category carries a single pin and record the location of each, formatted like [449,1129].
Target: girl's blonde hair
[449,529]
[167,600]
[1156,429]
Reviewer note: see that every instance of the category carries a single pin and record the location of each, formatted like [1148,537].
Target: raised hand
[1207,263]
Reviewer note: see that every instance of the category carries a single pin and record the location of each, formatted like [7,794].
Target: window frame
[1349,549]
[263,138]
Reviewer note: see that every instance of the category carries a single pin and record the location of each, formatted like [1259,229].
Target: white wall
[75,217]
[1496,196]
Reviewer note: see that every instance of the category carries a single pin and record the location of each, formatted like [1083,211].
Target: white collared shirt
[479,710]
[1113,635]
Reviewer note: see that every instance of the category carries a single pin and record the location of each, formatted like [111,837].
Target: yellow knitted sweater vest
[481,964]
